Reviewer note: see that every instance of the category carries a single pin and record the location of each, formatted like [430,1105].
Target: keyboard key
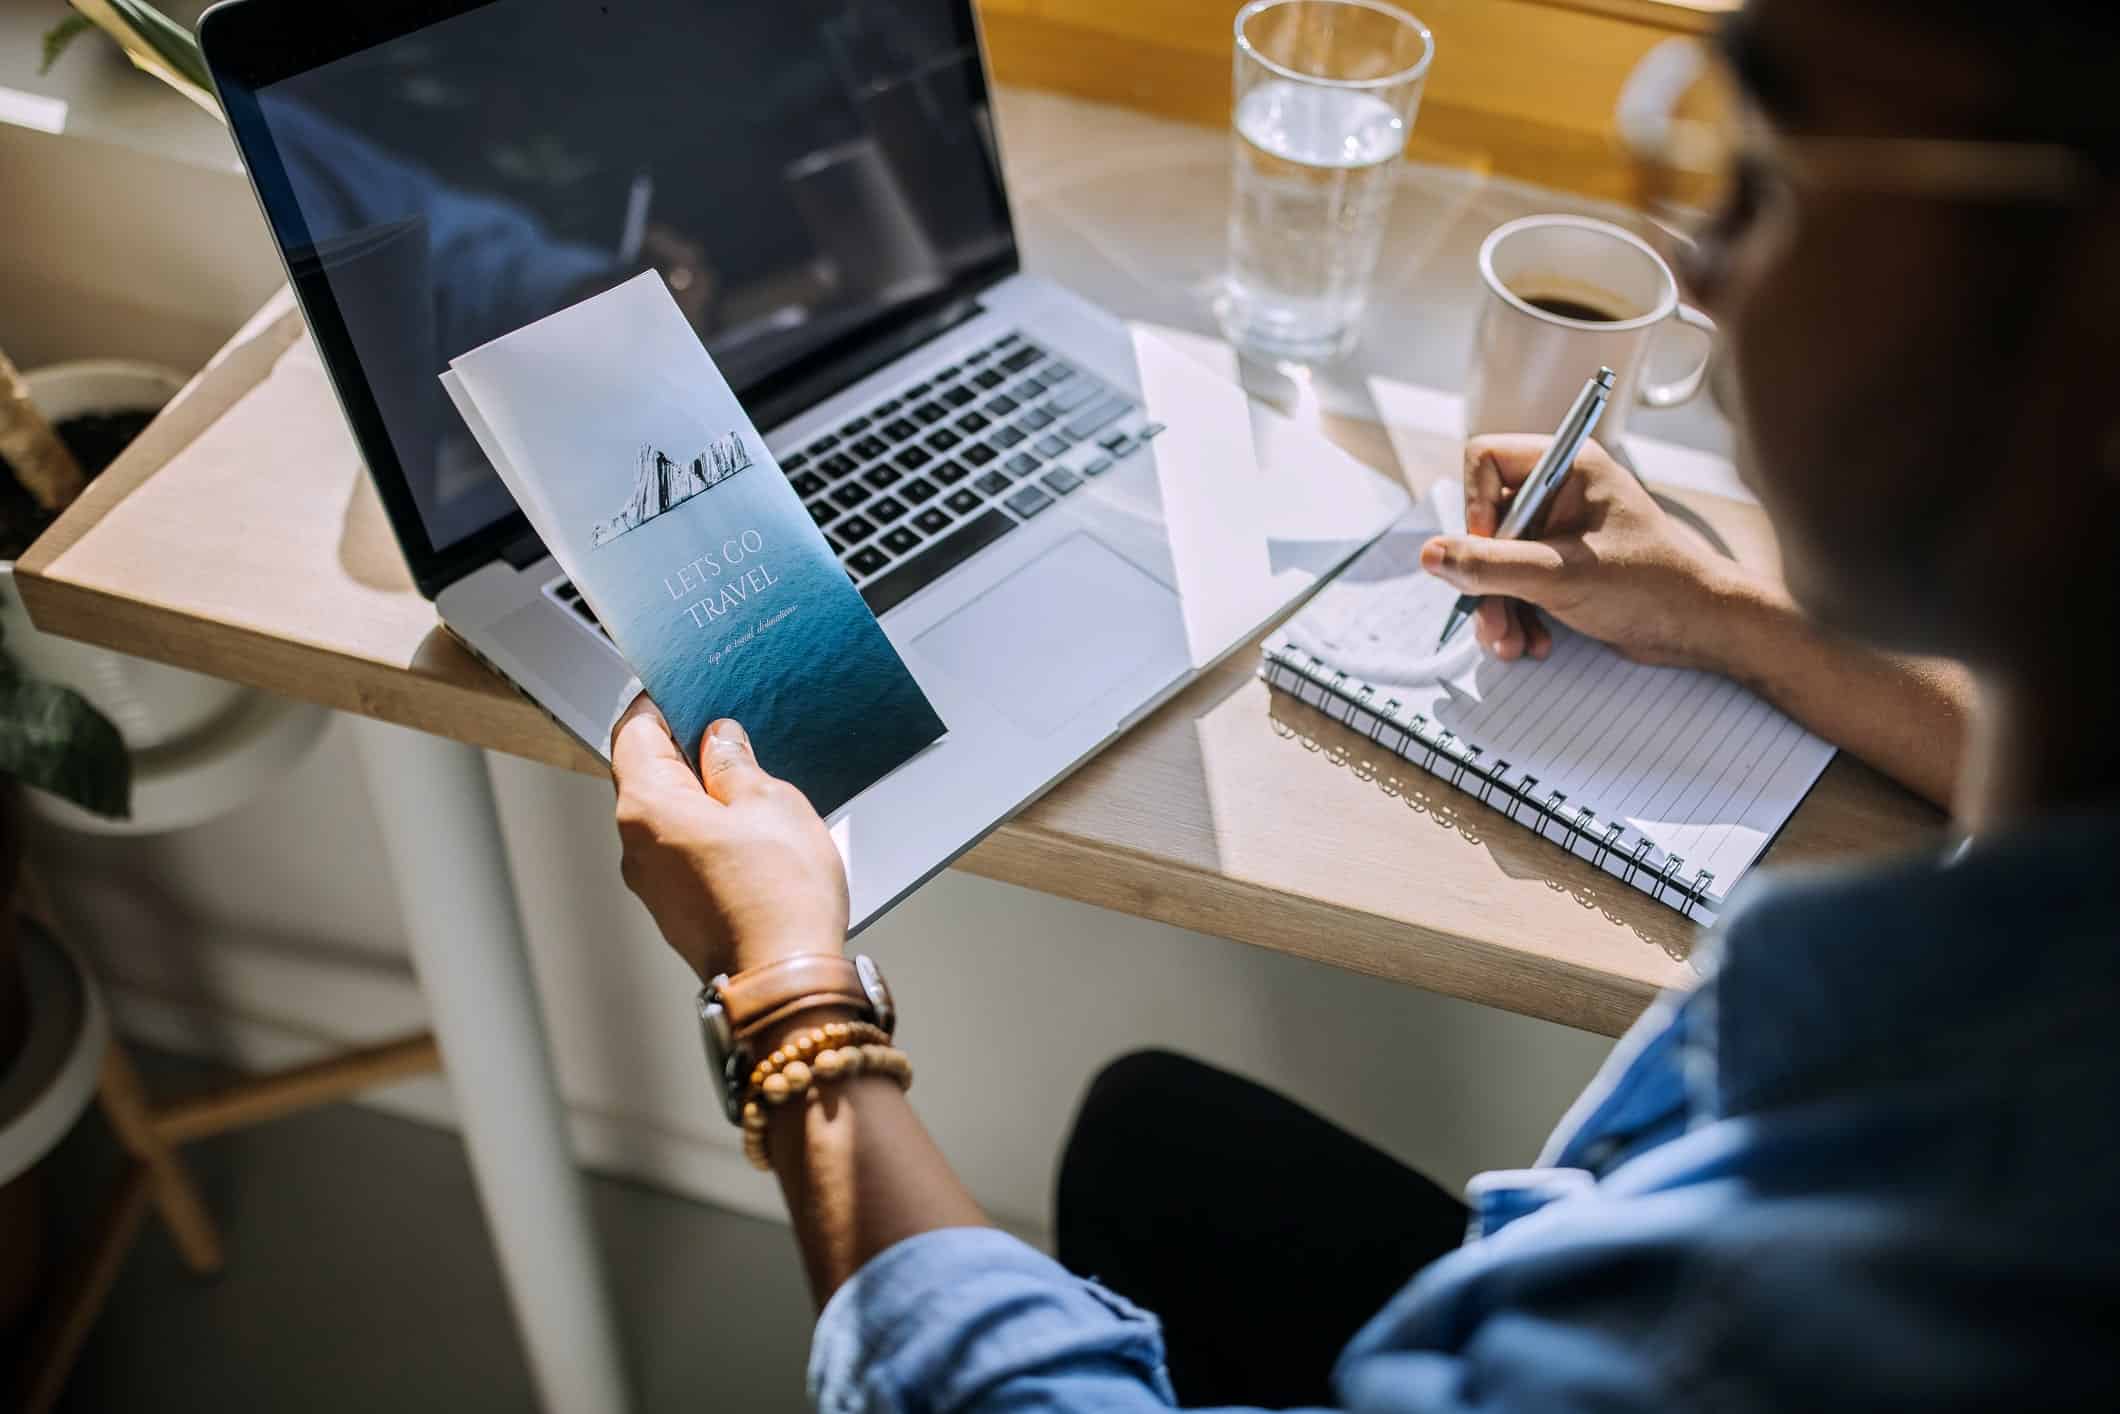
[853,425]
[888,509]
[1117,443]
[908,577]
[942,439]
[1000,405]
[901,540]
[1096,415]
[1022,358]
[978,454]
[806,484]
[854,530]
[963,502]
[958,396]
[987,378]
[899,430]
[991,484]
[1028,501]
[1098,467]
[918,390]
[948,372]
[870,448]
[821,511]
[850,495]
[917,492]
[1036,419]
[822,445]
[882,475]
[793,464]
[1049,447]
[867,560]
[1020,465]
[1006,437]
[1068,399]
[1007,340]
[837,465]
[974,422]
[975,358]
[1029,388]
[1057,371]
[1150,431]
[885,408]
[837,547]
[931,413]
[913,458]
[949,472]
[934,520]
[1060,481]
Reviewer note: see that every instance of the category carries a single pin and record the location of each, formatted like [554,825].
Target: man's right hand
[1608,562]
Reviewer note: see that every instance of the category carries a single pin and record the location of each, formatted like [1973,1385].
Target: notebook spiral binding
[1611,845]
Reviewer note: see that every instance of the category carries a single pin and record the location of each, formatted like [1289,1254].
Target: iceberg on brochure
[627,450]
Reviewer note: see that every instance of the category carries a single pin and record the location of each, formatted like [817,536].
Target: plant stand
[156,1177]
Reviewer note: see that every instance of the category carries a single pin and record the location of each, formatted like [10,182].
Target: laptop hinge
[524,550]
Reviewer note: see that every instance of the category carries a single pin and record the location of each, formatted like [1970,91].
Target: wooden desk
[240,537]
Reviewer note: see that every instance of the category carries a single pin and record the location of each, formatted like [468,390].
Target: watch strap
[756,996]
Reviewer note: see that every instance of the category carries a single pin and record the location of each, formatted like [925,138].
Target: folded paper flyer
[634,461]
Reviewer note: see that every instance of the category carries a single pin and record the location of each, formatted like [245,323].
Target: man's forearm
[1905,716]
[860,1173]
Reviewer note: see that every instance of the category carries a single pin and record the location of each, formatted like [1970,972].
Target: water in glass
[1314,172]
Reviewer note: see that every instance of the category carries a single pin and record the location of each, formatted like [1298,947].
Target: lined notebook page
[1672,779]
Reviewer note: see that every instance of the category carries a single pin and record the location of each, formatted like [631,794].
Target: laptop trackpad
[1058,634]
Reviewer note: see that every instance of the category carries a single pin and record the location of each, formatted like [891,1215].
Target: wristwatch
[734,1010]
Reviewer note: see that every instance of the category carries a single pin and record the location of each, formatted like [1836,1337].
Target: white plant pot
[150,703]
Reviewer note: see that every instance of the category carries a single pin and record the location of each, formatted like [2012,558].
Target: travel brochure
[627,450]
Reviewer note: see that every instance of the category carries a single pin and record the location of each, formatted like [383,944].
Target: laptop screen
[802,172]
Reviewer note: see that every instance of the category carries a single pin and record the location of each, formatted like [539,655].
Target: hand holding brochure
[625,447]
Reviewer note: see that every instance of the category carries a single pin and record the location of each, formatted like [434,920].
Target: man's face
[1875,335]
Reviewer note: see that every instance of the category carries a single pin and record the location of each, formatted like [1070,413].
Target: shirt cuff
[940,1320]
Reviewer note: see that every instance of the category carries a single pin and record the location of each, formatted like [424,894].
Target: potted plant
[71,715]
[51,738]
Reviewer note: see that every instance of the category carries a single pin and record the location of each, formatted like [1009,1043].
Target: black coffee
[1568,308]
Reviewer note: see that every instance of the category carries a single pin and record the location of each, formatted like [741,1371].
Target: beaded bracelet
[839,1051]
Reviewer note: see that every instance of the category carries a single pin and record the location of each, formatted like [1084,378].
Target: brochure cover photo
[632,458]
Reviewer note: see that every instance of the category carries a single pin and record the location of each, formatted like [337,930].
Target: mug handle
[1670,395]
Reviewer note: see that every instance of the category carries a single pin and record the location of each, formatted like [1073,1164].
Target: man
[1868,1162]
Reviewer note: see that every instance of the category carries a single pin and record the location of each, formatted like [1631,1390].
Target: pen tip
[1605,377]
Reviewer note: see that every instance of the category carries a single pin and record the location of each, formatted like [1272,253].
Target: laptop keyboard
[912,486]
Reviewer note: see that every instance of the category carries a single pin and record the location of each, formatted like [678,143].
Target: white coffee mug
[1566,295]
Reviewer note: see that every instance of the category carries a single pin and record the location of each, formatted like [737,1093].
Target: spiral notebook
[1670,780]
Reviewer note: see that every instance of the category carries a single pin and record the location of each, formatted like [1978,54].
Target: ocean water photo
[795,656]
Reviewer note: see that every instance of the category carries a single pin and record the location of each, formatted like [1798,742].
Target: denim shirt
[1868,1164]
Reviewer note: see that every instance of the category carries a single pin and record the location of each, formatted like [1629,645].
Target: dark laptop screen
[801,171]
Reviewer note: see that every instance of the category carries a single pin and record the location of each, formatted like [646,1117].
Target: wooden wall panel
[1521,87]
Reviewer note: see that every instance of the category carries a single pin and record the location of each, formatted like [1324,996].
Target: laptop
[1059,520]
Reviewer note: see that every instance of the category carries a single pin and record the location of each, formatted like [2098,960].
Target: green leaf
[52,738]
[59,36]
[176,44]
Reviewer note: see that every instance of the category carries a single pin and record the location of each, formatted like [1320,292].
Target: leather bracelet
[813,1002]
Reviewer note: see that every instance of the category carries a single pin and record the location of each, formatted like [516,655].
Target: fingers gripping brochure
[625,447]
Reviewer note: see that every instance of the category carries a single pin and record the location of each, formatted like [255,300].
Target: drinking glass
[1326,92]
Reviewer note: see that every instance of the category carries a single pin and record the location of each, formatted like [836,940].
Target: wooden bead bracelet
[794,1074]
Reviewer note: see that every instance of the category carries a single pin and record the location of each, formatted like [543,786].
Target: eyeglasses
[1702,153]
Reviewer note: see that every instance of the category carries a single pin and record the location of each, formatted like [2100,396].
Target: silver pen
[1545,479]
